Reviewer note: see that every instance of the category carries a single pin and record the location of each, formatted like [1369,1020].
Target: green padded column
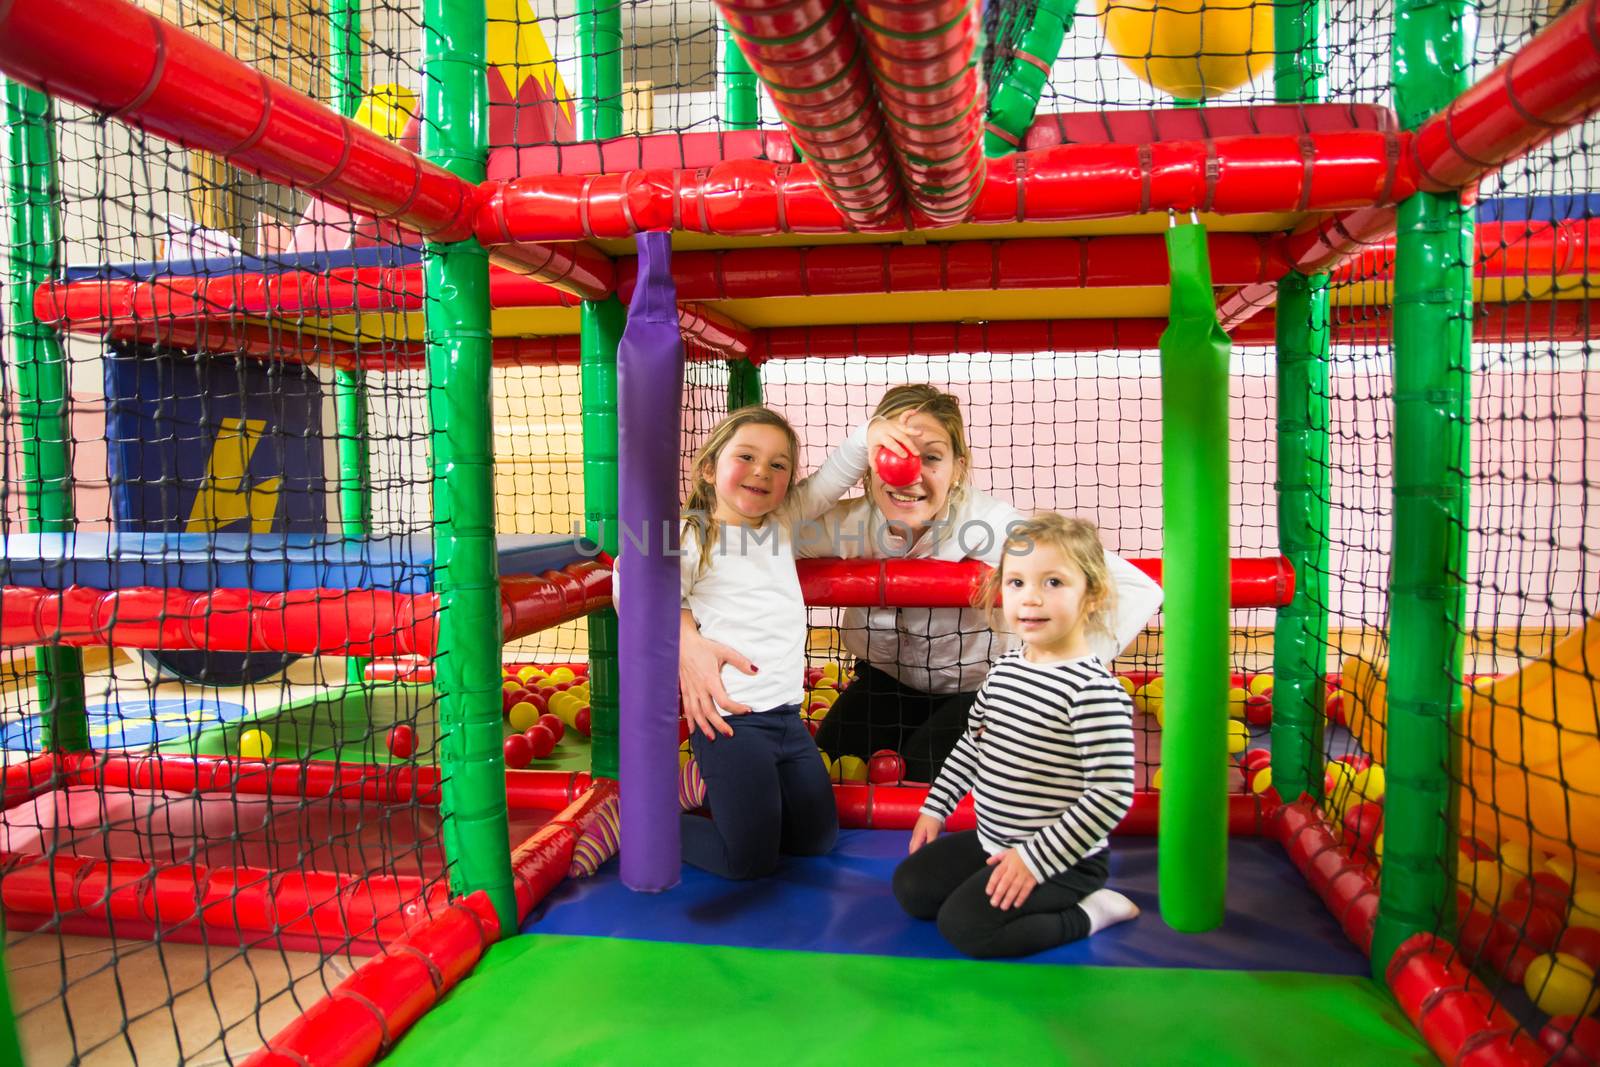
[1014,101]
[1433,46]
[1300,640]
[466,571]
[43,390]
[744,384]
[1193,859]
[350,387]
[600,330]
[741,110]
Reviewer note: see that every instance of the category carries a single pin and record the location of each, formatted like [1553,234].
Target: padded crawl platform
[841,903]
[265,563]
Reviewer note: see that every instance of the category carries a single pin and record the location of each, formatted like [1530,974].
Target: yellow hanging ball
[254,744]
[1190,49]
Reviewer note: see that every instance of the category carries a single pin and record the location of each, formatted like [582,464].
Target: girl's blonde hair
[1078,540]
[938,405]
[701,506]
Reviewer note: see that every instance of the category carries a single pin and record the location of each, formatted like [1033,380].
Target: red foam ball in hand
[402,741]
[540,740]
[558,729]
[518,752]
[1582,942]
[896,469]
[582,720]
[1574,1042]
[885,767]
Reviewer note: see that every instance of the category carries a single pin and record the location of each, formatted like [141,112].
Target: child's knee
[815,840]
[745,864]
[912,895]
[969,936]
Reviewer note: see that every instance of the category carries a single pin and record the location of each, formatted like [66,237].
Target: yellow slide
[1532,762]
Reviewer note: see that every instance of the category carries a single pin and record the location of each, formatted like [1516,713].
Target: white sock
[1107,907]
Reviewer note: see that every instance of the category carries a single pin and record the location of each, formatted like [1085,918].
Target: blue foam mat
[265,563]
[842,903]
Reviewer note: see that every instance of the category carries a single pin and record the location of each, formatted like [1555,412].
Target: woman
[918,669]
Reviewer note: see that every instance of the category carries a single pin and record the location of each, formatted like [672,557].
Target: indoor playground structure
[355,357]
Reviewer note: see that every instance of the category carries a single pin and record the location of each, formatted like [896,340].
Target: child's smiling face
[1045,599]
[751,475]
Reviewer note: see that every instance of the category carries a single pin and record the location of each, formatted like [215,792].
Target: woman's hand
[700,662]
[926,829]
[895,434]
[1011,881]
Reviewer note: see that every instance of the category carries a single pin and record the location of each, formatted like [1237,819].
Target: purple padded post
[649,405]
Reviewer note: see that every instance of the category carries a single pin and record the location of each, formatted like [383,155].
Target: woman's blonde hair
[1078,540]
[938,405]
[701,506]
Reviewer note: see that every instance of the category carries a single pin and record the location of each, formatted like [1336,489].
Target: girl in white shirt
[755,765]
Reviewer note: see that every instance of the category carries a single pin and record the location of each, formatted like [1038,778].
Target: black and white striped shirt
[1048,757]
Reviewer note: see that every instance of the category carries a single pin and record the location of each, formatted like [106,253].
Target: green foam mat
[587,1000]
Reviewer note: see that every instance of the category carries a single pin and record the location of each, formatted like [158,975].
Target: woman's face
[915,506]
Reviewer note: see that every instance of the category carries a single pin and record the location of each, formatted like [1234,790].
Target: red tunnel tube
[1226,175]
[578,268]
[1452,1010]
[1020,263]
[1548,85]
[930,90]
[23,781]
[540,863]
[926,583]
[1529,249]
[714,332]
[1342,882]
[1498,323]
[808,54]
[896,807]
[369,1011]
[364,622]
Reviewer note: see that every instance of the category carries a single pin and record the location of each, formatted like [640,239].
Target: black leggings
[945,880]
[876,712]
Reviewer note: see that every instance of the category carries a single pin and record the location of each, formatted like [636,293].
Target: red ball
[581,721]
[1476,850]
[518,752]
[539,698]
[896,469]
[684,730]
[1362,824]
[402,741]
[1529,925]
[557,728]
[1582,942]
[813,725]
[1254,760]
[1356,761]
[1478,933]
[1512,960]
[509,698]
[1575,1042]
[1258,710]
[1547,890]
[885,767]
[540,740]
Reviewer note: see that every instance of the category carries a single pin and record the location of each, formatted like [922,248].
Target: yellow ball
[563,674]
[830,674]
[1561,984]
[685,754]
[1262,780]
[523,715]
[1369,784]
[823,694]
[254,744]
[1236,699]
[1191,49]
[1157,685]
[387,109]
[1561,867]
[1482,880]
[852,768]
[1238,737]
[1260,684]
[1483,683]
[581,692]
[565,707]
[1126,683]
[1516,858]
[1339,796]
[1377,847]
[1585,909]
[832,768]
[1155,780]
[528,674]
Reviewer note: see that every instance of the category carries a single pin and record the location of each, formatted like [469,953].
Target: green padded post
[600,331]
[466,569]
[350,387]
[1014,101]
[43,390]
[1193,859]
[1300,639]
[1433,47]
[741,110]
[744,384]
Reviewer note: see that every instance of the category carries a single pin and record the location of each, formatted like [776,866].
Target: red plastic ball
[581,721]
[1258,710]
[1362,824]
[518,752]
[813,725]
[557,728]
[1573,1041]
[1254,760]
[509,698]
[540,740]
[1478,933]
[402,741]
[885,767]
[1335,708]
[896,469]
[1582,942]
[1535,927]
[1475,850]
[1547,890]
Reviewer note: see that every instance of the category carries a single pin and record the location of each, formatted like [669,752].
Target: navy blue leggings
[768,793]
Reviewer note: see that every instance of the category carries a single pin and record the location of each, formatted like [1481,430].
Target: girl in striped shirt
[1048,757]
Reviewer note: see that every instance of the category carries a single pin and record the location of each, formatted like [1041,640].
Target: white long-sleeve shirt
[748,596]
[1048,756]
[949,650]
